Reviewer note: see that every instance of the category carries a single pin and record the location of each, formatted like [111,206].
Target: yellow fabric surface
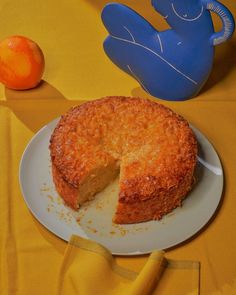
[70,34]
[88,268]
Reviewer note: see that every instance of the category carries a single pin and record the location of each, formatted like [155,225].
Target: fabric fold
[149,276]
[89,268]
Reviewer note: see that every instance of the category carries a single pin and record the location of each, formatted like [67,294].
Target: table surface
[71,34]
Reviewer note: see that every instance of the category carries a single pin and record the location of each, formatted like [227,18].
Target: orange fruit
[21,63]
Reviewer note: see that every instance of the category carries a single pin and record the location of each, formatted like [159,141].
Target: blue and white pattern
[172,64]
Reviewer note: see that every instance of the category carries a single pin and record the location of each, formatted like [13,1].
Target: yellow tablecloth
[71,34]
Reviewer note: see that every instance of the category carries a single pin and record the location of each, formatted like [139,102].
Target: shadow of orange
[43,91]
[38,106]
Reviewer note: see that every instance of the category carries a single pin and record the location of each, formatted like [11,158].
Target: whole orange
[21,63]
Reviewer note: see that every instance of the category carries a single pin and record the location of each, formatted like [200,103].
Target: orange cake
[152,148]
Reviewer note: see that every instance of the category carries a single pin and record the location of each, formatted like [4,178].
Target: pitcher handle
[227,21]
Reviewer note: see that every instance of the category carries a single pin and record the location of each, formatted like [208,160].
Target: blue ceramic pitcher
[172,64]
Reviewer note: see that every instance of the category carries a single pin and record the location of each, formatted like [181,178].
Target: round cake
[151,148]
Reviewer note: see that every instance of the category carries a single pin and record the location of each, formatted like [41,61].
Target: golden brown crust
[155,147]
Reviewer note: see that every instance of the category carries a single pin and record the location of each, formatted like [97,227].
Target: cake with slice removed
[153,149]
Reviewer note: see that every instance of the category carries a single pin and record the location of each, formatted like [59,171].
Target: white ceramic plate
[94,220]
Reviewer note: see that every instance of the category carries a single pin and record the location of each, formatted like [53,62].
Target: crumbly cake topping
[154,147]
